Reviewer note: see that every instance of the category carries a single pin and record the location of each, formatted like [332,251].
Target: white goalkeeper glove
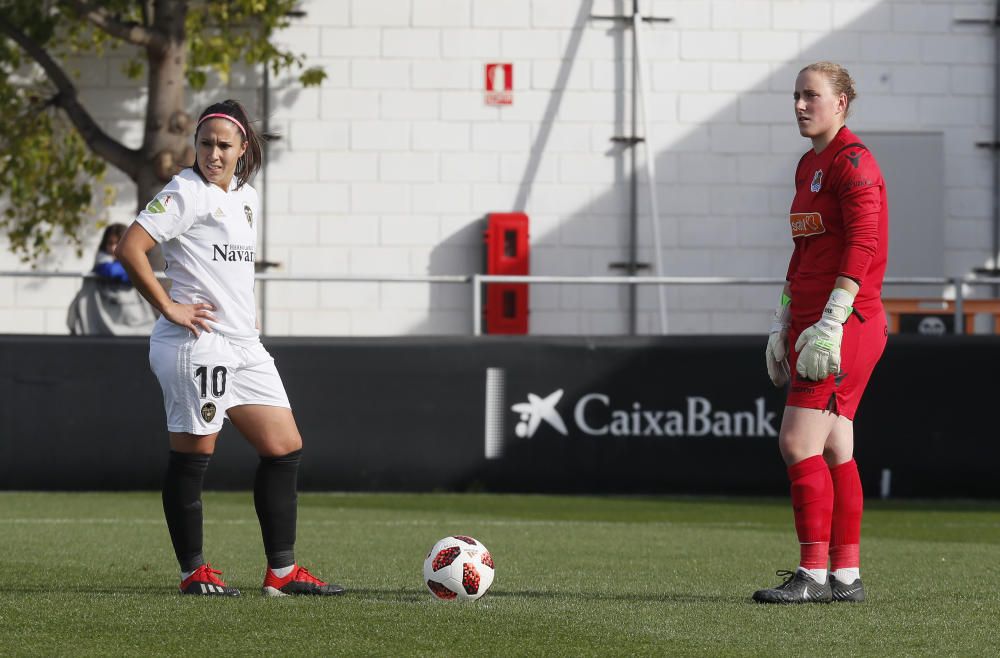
[776,353]
[819,345]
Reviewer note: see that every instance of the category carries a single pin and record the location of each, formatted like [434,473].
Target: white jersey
[209,241]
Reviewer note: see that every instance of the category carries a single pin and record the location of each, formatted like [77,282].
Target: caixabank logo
[604,414]
[537,409]
[597,414]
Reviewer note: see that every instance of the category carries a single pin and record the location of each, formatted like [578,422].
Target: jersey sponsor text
[234,253]
[806,223]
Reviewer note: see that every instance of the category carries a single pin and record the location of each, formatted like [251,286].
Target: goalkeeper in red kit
[828,333]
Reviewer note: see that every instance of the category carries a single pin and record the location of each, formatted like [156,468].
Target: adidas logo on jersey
[219,212]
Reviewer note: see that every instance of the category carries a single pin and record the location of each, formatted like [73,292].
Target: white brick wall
[390,166]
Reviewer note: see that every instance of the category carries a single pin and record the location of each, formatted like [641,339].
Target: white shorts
[202,378]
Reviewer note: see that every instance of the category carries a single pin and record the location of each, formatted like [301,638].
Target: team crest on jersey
[248,211]
[208,411]
[159,204]
[817,181]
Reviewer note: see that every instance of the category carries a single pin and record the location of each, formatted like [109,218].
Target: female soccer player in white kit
[206,352]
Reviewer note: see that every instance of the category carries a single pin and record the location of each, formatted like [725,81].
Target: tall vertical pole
[995,255]
[632,264]
[647,139]
[633,224]
[993,263]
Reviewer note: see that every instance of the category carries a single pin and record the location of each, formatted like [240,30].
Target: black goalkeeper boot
[798,587]
[849,592]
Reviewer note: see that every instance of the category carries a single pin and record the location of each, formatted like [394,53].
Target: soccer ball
[458,568]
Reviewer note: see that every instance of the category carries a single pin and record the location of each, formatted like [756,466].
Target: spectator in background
[108,304]
[105,263]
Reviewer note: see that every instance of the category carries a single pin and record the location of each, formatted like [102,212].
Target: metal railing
[479,279]
[958,284]
[370,278]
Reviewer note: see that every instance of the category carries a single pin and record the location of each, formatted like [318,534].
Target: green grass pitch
[93,574]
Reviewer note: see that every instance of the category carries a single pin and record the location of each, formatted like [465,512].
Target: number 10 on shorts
[219,374]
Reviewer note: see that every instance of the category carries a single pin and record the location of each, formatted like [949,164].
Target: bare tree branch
[100,142]
[129,32]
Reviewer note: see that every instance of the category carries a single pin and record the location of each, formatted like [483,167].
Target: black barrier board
[590,415]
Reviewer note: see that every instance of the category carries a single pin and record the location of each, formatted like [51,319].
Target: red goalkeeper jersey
[840,226]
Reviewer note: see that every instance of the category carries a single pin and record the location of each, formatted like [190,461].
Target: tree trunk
[166,145]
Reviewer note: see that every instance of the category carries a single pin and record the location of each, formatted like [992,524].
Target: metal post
[959,314]
[995,255]
[993,264]
[477,306]
[654,211]
[632,267]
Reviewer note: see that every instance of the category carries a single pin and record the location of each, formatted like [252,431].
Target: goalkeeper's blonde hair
[840,79]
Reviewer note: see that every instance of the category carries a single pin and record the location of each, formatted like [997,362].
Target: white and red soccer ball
[458,568]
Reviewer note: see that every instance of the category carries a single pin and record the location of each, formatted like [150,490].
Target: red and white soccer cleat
[205,582]
[299,581]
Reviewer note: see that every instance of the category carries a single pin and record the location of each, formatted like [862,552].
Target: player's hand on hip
[194,317]
[819,345]
[776,352]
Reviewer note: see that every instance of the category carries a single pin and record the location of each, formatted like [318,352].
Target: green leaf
[133,69]
[312,77]
[197,79]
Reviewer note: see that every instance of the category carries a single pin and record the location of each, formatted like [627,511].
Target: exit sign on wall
[499,84]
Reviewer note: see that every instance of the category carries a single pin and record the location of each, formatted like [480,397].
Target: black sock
[276,500]
[182,506]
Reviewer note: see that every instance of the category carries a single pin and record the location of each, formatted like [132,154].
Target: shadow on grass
[384,595]
[421,595]
[117,590]
[649,597]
